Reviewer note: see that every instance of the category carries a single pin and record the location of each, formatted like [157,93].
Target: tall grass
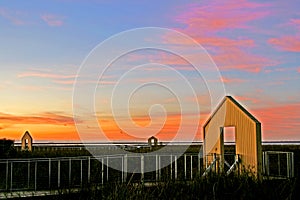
[214,186]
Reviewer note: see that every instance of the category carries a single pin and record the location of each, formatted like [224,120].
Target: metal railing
[75,172]
[278,164]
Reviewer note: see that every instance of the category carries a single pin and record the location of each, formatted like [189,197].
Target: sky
[254,44]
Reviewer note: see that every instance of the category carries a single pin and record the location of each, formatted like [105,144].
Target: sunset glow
[255,45]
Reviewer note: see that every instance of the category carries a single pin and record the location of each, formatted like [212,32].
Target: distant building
[26,142]
[152,141]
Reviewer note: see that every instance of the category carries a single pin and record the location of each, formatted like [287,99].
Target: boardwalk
[22,176]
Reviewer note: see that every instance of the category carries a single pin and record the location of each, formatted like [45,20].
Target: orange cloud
[286,43]
[232,80]
[56,78]
[45,75]
[43,126]
[42,118]
[167,133]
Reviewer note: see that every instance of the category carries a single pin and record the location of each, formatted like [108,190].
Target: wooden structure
[26,142]
[247,137]
[152,141]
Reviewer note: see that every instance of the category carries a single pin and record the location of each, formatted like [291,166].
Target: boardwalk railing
[71,172]
[278,164]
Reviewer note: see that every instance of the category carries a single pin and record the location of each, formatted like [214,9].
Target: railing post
[199,163]
[11,176]
[89,169]
[70,172]
[185,166]
[28,173]
[6,180]
[171,166]
[263,163]
[159,167]
[238,163]
[125,168]
[58,173]
[292,164]
[142,167]
[278,164]
[175,167]
[216,163]
[102,171]
[81,173]
[267,164]
[49,173]
[107,168]
[191,167]
[156,168]
[35,175]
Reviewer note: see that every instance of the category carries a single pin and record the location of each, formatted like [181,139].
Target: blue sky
[255,45]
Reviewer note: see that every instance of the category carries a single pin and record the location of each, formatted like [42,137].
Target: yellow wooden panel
[247,130]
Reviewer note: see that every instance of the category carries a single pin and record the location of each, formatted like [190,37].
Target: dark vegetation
[245,186]
[213,186]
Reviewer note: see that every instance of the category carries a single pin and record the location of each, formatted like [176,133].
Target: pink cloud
[247,99]
[237,59]
[15,17]
[295,22]
[280,122]
[53,20]
[286,43]
[204,21]
[218,16]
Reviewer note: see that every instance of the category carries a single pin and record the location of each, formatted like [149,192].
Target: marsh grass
[214,186]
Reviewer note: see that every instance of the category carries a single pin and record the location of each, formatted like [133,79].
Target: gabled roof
[26,134]
[230,98]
